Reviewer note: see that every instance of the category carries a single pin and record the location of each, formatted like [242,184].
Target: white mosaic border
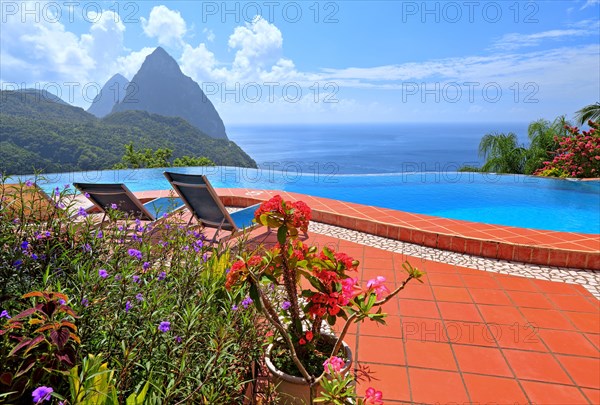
[589,279]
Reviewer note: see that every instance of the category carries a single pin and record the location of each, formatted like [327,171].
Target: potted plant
[302,291]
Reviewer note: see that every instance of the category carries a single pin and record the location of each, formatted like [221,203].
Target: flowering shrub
[577,156]
[316,288]
[117,314]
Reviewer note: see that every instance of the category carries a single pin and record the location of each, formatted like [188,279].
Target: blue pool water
[515,200]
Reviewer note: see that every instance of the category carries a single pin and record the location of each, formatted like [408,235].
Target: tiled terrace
[466,335]
[561,249]
[470,336]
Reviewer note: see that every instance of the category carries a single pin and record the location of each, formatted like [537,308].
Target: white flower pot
[296,390]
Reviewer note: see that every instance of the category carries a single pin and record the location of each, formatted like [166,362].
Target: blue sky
[322,62]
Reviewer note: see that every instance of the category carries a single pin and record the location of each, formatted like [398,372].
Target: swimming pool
[514,200]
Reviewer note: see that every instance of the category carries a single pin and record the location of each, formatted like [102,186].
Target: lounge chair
[204,205]
[105,195]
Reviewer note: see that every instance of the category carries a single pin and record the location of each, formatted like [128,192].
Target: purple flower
[136,279]
[178,339]
[234,307]
[81,212]
[286,305]
[24,245]
[164,326]
[18,263]
[4,314]
[100,235]
[60,205]
[87,247]
[62,302]
[139,297]
[66,186]
[102,273]
[118,277]
[146,265]
[135,253]
[85,302]
[162,275]
[205,257]
[29,183]
[34,256]
[246,302]
[138,221]
[127,306]
[86,194]
[113,206]
[57,191]
[41,394]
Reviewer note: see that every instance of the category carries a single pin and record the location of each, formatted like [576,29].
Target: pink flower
[377,285]
[333,364]
[349,290]
[373,397]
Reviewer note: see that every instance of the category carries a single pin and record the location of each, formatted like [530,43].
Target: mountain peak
[112,92]
[160,60]
[160,87]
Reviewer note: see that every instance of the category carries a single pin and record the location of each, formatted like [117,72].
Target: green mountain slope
[36,104]
[44,135]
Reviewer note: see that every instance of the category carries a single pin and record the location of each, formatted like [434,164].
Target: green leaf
[282,234]
[255,296]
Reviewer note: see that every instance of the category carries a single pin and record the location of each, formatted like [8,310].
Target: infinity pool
[515,200]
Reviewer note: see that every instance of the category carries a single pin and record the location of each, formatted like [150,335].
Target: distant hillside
[37,104]
[55,137]
[112,92]
[42,93]
[161,88]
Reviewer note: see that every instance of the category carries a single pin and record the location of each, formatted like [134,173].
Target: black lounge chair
[203,202]
[105,195]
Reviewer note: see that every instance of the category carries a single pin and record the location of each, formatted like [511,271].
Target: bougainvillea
[578,155]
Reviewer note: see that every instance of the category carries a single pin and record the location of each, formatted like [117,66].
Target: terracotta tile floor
[530,341]
[470,336]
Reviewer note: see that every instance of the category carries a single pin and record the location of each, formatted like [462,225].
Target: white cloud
[45,53]
[104,43]
[199,63]
[259,45]
[258,49]
[590,3]
[512,41]
[129,64]
[166,25]
[210,35]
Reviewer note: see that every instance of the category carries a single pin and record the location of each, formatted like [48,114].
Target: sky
[263,62]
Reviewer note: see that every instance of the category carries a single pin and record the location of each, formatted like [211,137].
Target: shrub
[578,155]
[147,303]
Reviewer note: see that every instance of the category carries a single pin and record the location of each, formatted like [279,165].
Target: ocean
[367,148]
